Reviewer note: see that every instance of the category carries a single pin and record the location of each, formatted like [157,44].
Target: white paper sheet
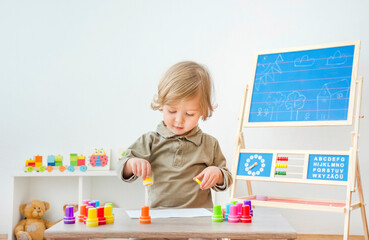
[172,212]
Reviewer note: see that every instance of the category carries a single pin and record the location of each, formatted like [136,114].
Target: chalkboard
[307,87]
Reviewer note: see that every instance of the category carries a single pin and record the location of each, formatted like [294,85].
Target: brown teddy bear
[33,227]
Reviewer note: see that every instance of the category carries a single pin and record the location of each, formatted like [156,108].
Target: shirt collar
[193,136]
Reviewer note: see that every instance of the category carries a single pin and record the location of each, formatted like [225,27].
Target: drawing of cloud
[304,61]
[337,59]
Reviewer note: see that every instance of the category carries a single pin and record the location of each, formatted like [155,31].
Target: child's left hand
[210,176]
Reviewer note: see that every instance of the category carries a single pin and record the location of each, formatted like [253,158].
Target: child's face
[182,117]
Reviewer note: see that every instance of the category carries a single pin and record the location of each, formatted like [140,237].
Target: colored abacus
[284,166]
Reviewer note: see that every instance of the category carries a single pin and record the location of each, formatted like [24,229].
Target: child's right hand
[137,166]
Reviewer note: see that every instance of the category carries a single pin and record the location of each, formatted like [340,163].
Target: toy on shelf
[34,212]
[98,159]
[77,161]
[34,164]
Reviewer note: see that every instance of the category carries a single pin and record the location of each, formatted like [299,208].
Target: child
[178,151]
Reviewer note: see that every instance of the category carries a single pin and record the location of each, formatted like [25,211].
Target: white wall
[76,74]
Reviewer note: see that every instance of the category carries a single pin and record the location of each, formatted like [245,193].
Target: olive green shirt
[175,160]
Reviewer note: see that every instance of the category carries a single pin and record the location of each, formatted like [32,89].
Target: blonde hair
[184,81]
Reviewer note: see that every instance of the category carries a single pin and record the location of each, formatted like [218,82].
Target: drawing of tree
[275,101]
[295,101]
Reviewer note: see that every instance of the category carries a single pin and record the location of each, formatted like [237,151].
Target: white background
[80,74]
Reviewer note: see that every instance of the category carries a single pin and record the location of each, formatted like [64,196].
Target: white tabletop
[265,225]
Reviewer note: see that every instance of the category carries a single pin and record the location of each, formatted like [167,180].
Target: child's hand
[210,176]
[137,166]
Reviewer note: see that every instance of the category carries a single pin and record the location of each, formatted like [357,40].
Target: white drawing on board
[307,116]
[304,61]
[268,73]
[275,101]
[260,111]
[337,59]
[295,101]
[329,92]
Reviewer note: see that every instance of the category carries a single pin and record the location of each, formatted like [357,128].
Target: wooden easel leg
[361,198]
[347,215]
[248,183]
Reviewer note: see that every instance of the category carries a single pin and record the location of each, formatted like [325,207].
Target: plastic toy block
[248,203]
[108,213]
[92,220]
[82,212]
[74,163]
[81,160]
[73,156]
[51,159]
[233,216]
[86,202]
[51,164]
[246,217]
[58,160]
[109,204]
[198,181]
[234,202]
[100,216]
[38,161]
[228,206]
[86,216]
[92,203]
[97,203]
[30,163]
[239,209]
[145,217]
[147,182]
[217,214]
[69,215]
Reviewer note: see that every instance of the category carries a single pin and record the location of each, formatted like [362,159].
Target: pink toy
[233,216]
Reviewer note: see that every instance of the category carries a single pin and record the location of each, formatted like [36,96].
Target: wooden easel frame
[352,184]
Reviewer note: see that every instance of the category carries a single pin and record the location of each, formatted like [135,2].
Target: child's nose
[179,118]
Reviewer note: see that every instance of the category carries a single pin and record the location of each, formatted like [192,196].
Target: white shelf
[65,187]
[66,173]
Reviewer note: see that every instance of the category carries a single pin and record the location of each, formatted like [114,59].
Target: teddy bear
[33,227]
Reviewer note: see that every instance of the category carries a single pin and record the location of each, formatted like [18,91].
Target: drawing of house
[330,93]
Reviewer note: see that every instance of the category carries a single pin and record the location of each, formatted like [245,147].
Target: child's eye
[171,111]
[189,114]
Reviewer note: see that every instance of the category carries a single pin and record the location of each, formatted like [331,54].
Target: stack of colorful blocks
[91,214]
[235,212]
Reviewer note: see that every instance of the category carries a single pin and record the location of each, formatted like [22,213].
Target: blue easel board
[303,86]
[328,167]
